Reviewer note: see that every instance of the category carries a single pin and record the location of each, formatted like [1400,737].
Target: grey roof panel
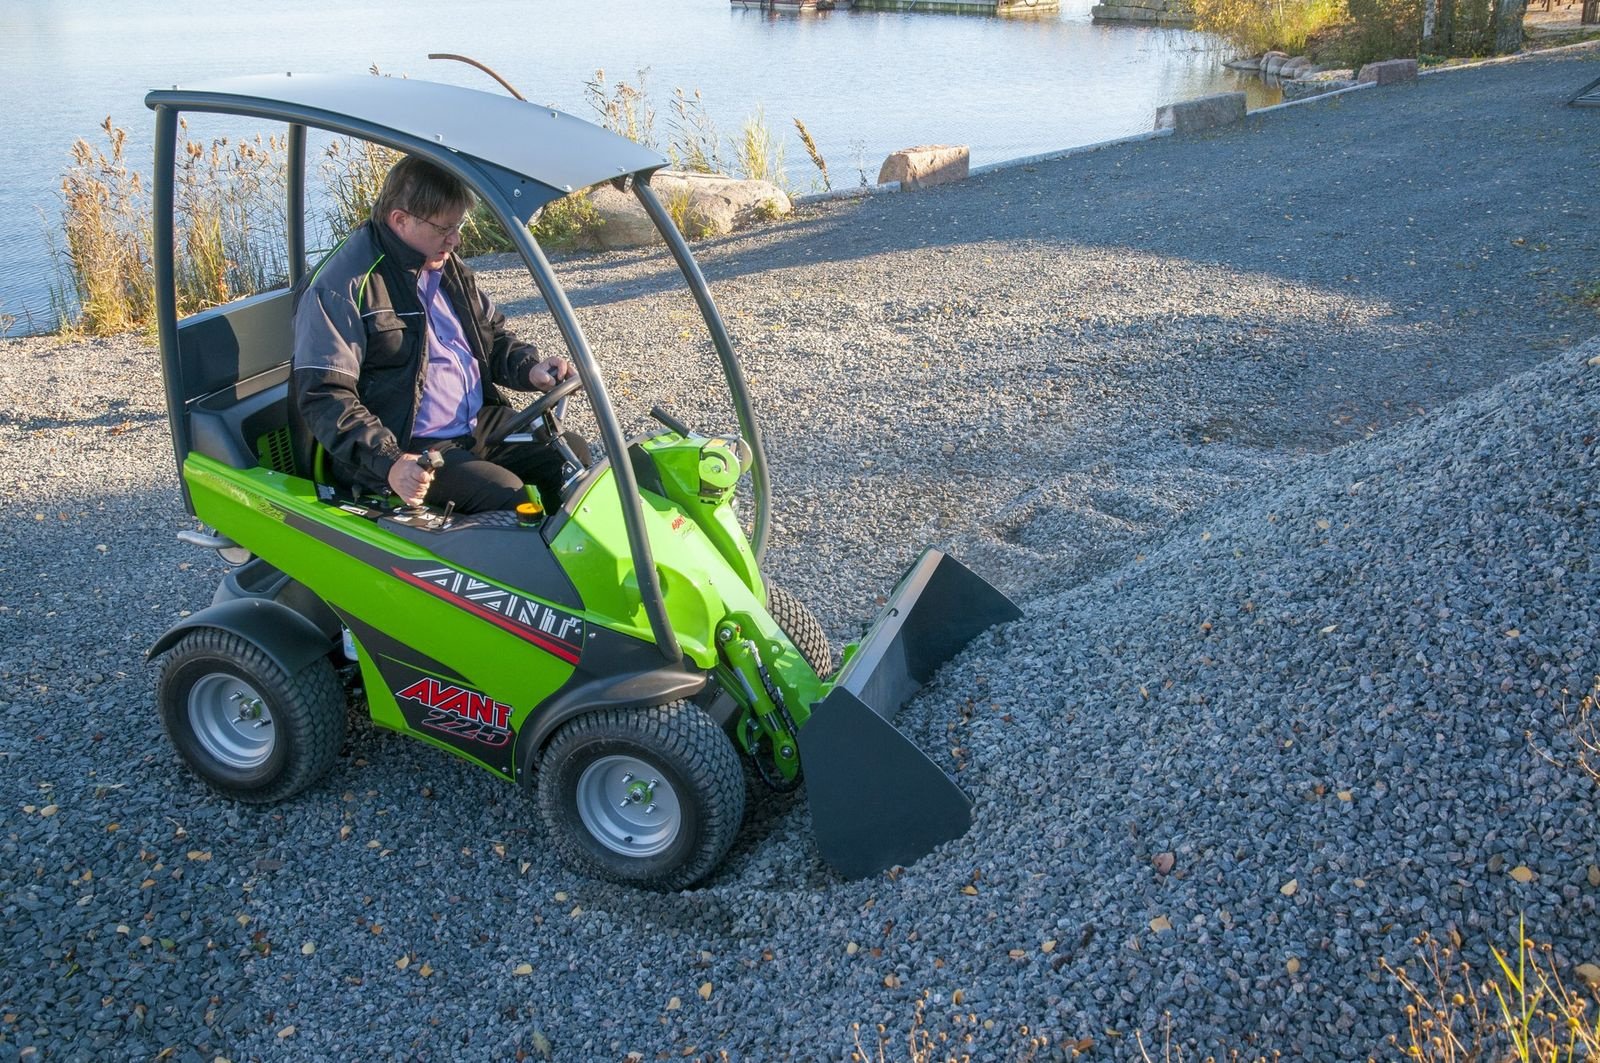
[546,145]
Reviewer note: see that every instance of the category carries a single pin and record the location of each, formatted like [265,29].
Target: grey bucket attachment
[876,799]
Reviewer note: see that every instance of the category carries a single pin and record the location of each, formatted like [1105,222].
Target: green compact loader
[621,655]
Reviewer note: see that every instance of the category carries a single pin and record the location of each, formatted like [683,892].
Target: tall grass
[757,153]
[816,156]
[229,229]
[694,144]
[623,108]
[229,210]
[105,212]
[353,171]
[1522,1010]
[1259,25]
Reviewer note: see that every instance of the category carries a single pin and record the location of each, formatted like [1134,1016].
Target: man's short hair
[422,190]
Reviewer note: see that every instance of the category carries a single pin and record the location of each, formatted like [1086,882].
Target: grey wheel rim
[231,721]
[628,807]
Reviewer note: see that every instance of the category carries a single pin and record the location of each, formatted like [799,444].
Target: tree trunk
[1430,16]
[1591,12]
[1508,15]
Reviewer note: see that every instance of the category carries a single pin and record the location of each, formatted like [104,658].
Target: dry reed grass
[1526,1011]
[229,217]
[816,156]
[107,252]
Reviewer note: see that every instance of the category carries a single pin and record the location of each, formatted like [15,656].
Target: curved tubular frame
[491,186]
[730,363]
[605,416]
[163,262]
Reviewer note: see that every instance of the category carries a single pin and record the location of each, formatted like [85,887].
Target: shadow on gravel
[117,422]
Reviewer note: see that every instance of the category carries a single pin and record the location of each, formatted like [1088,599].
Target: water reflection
[865,83]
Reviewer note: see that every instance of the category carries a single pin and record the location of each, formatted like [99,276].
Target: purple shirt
[452,391]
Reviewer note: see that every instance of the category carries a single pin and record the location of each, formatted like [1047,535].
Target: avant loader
[622,656]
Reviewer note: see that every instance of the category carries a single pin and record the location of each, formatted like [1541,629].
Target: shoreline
[1530,50]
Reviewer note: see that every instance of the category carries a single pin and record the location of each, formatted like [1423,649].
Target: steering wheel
[543,408]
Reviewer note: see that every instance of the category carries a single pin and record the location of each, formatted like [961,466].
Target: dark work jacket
[361,351]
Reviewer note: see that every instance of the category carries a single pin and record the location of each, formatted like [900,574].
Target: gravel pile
[1285,439]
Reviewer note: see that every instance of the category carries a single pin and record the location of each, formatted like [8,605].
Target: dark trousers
[482,473]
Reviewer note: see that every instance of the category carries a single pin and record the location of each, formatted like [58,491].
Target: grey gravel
[1284,436]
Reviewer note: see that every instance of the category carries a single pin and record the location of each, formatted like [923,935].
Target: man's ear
[393,218]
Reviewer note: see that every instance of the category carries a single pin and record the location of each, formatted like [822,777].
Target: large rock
[1207,112]
[1299,90]
[1389,72]
[929,164]
[1160,12]
[704,204]
[1272,62]
[621,221]
[715,204]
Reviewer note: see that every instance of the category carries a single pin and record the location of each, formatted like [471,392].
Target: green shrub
[1260,25]
[567,223]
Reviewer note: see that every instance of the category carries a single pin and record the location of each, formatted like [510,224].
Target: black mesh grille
[276,450]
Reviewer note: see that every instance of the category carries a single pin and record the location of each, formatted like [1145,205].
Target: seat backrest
[235,363]
[247,425]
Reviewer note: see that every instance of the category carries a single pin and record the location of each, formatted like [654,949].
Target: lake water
[865,83]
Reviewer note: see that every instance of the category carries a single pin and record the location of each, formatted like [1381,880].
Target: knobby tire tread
[310,704]
[802,628]
[697,749]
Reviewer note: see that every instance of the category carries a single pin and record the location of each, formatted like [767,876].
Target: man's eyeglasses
[442,230]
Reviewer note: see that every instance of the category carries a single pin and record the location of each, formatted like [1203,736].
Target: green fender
[634,690]
[288,639]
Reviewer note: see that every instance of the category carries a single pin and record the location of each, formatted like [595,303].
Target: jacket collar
[395,249]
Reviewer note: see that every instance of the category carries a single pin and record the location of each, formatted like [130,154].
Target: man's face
[432,238]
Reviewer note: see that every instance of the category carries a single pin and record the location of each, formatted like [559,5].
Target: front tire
[649,797]
[802,628]
[244,725]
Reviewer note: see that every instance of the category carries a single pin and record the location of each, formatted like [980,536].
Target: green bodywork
[710,583]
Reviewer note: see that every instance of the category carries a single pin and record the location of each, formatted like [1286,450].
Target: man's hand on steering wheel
[550,372]
[542,409]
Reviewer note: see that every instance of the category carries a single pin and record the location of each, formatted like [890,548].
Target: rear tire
[649,797]
[803,630]
[246,727]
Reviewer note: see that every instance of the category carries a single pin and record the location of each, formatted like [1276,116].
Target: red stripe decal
[549,646]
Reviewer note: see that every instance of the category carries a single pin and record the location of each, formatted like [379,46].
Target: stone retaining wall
[1160,12]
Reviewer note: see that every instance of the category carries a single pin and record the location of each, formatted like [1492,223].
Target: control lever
[428,461]
[670,421]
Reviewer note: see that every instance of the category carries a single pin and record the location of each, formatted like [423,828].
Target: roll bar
[512,199]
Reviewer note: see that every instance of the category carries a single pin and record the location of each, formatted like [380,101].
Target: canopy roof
[539,143]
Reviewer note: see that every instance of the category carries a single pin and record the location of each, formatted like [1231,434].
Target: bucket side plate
[876,799]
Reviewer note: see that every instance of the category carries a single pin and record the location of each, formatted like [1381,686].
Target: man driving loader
[397,353]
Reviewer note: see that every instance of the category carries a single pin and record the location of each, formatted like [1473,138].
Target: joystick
[428,461]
